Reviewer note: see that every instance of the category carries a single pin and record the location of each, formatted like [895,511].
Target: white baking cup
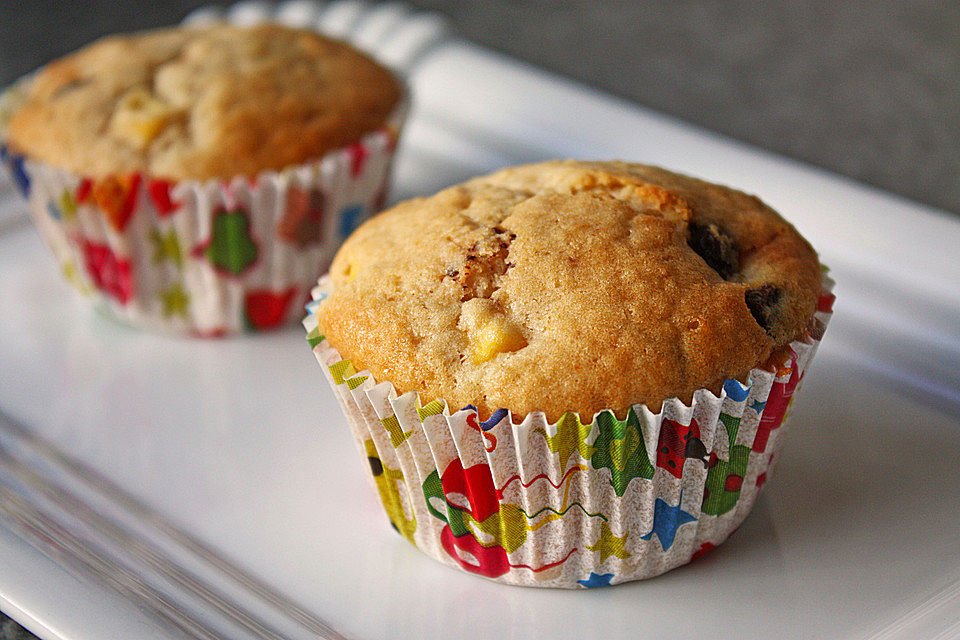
[570,505]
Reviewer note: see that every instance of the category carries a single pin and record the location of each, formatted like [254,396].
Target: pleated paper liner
[205,258]
[570,504]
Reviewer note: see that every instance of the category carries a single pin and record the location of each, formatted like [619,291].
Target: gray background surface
[869,89]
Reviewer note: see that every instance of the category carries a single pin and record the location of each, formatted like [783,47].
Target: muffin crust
[199,103]
[570,286]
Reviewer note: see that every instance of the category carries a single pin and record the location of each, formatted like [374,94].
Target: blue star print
[597,580]
[17,168]
[666,520]
[736,391]
[350,219]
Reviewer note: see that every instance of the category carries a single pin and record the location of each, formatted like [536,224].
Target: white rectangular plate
[240,443]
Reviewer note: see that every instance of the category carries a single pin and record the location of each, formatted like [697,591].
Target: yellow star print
[175,301]
[571,436]
[166,247]
[397,435]
[68,205]
[610,545]
[73,277]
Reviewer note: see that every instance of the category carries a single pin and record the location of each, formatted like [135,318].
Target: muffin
[200,179]
[570,374]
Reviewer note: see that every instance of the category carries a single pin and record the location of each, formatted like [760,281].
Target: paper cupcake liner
[570,504]
[207,258]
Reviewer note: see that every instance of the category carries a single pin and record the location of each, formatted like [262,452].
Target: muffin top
[199,103]
[569,285]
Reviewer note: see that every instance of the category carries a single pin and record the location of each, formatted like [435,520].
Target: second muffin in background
[198,179]
[572,373]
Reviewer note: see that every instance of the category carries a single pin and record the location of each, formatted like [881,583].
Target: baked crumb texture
[566,285]
[200,103]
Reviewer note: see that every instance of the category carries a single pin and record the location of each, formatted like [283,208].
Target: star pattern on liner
[230,247]
[596,580]
[571,438]
[350,219]
[175,301]
[736,391]
[706,547]
[666,520]
[73,277]
[68,205]
[117,198]
[397,435]
[758,406]
[53,211]
[610,545]
[619,447]
[16,167]
[166,246]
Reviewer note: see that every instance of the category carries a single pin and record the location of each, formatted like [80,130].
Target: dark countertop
[865,89]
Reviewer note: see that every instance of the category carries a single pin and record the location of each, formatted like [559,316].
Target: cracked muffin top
[199,103]
[569,285]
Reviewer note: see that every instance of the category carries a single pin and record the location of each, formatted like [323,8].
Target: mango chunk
[495,336]
[140,117]
[351,272]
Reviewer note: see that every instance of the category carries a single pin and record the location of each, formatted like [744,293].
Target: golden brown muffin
[198,103]
[570,286]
